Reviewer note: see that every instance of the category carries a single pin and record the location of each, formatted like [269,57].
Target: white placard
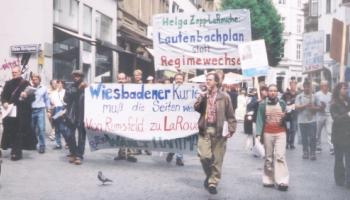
[254,58]
[139,112]
[313,50]
[200,40]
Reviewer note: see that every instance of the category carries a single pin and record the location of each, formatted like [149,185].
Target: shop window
[66,13]
[103,27]
[103,64]
[65,55]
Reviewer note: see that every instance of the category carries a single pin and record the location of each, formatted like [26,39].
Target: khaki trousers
[275,167]
[211,151]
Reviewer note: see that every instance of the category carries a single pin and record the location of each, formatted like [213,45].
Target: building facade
[59,36]
[290,66]
[327,10]
[25,25]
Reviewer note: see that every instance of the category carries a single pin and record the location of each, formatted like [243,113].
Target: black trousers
[76,148]
[12,136]
[342,164]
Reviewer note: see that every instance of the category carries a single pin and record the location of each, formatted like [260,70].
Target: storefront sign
[313,45]
[253,58]
[156,116]
[201,40]
[29,48]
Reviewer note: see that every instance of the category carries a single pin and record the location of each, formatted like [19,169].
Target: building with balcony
[327,10]
[290,66]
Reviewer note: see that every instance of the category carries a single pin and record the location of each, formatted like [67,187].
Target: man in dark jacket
[74,98]
[17,124]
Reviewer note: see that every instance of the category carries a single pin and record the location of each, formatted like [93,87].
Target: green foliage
[265,24]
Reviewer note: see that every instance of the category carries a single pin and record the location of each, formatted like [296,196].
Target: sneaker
[57,147]
[313,157]
[212,190]
[179,162]
[138,152]
[206,184]
[78,161]
[71,159]
[148,153]
[52,137]
[306,156]
[282,187]
[119,157]
[292,146]
[41,150]
[169,157]
[131,159]
[318,149]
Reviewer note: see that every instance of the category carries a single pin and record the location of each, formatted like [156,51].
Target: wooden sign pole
[342,56]
[257,86]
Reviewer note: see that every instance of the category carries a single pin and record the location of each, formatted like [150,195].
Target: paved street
[50,176]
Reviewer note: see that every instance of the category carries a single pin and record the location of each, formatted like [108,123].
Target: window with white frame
[328,6]
[66,13]
[103,27]
[314,8]
[282,1]
[87,20]
[328,42]
[298,51]
[283,19]
[282,50]
[298,25]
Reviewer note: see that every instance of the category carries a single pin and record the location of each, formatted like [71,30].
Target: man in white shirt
[305,105]
[323,116]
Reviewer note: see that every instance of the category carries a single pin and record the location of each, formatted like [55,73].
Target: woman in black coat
[340,111]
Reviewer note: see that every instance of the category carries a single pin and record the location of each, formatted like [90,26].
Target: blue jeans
[292,129]
[60,127]
[38,123]
[76,149]
[308,137]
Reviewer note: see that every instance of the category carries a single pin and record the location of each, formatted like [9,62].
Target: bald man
[323,117]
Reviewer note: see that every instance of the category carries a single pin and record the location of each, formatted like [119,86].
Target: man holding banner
[124,153]
[215,109]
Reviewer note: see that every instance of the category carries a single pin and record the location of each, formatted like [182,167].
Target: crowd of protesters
[270,119]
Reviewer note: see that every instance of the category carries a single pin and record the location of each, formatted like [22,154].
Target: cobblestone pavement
[50,176]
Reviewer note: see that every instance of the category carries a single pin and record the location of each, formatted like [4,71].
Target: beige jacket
[224,112]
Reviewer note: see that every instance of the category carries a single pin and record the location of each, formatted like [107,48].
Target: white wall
[31,22]
[25,22]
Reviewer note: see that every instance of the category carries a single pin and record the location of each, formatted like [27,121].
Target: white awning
[74,34]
